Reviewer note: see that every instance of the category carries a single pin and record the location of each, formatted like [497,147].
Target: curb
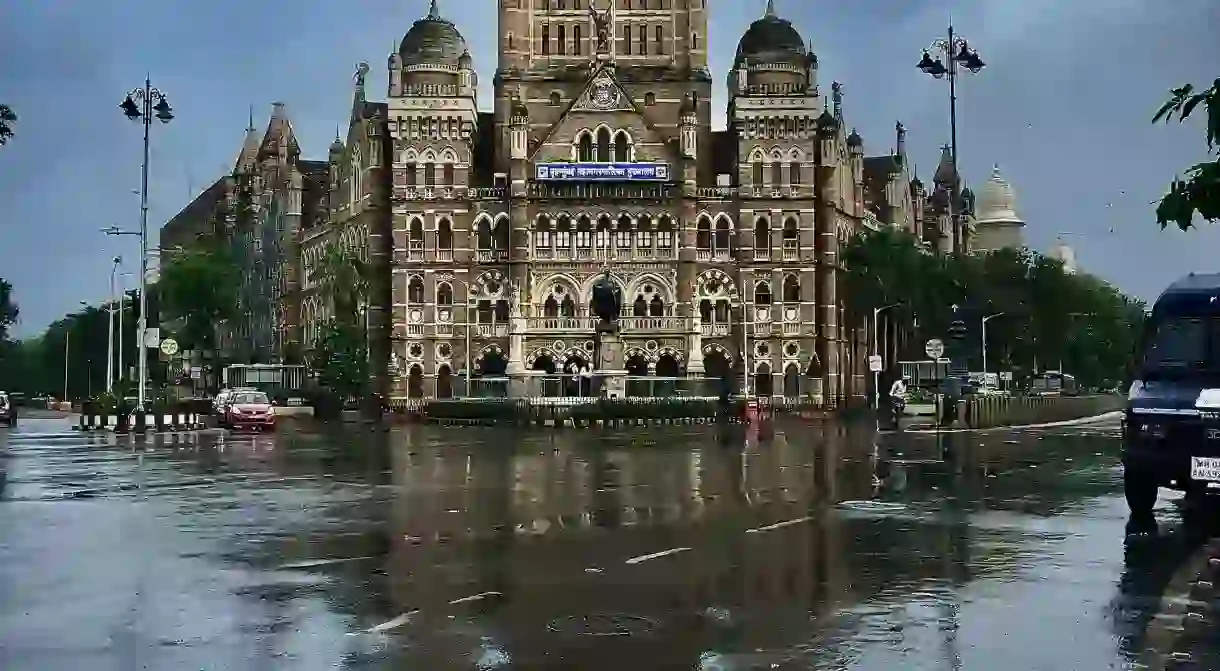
[1113,414]
[1187,613]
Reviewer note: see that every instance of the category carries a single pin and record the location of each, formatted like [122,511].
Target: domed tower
[789,152]
[996,224]
[432,114]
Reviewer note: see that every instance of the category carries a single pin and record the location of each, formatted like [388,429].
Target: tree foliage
[1047,316]
[199,287]
[1199,193]
[339,356]
[7,118]
[8,308]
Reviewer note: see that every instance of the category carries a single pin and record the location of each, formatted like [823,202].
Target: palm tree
[7,118]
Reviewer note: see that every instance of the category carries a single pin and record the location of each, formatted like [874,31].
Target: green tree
[198,287]
[7,118]
[1199,193]
[8,308]
[339,356]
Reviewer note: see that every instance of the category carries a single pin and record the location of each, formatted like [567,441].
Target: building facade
[489,228]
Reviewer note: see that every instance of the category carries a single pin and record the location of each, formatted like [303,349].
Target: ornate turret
[771,53]
[997,224]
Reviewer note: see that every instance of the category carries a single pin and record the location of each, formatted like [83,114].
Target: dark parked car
[8,410]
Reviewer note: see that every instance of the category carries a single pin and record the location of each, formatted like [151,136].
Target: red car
[250,410]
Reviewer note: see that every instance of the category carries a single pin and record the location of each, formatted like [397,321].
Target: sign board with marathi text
[601,172]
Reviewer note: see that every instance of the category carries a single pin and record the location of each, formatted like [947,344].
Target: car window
[1178,342]
[250,398]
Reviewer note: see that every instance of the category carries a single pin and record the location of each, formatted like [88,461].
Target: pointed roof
[279,130]
[249,148]
[946,173]
[581,103]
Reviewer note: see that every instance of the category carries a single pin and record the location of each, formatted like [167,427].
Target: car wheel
[1141,492]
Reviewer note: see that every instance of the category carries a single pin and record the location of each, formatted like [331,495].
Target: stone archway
[792,381]
[637,367]
[444,381]
[764,382]
[574,384]
[718,367]
[415,382]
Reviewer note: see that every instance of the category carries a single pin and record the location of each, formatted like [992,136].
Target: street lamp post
[877,352]
[110,328]
[984,334]
[122,308]
[143,104]
[958,53]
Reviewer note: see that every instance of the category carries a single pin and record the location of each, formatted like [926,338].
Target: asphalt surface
[682,548]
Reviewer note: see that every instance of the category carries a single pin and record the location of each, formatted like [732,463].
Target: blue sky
[1063,108]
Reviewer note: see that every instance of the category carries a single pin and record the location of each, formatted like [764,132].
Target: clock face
[604,95]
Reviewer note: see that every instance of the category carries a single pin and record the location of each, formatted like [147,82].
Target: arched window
[723,242]
[542,234]
[601,238]
[563,235]
[415,290]
[444,236]
[643,235]
[603,144]
[777,172]
[762,293]
[483,235]
[415,235]
[622,147]
[794,173]
[650,99]
[703,234]
[555,98]
[762,237]
[792,289]
[665,235]
[757,169]
[584,150]
[429,174]
[792,238]
[584,237]
[449,177]
[622,235]
[444,294]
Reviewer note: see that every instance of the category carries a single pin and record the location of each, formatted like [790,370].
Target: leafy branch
[1199,192]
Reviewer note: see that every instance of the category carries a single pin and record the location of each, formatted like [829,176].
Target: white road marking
[388,625]
[779,525]
[318,562]
[656,555]
[474,597]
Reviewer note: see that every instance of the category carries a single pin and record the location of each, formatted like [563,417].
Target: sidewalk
[1185,634]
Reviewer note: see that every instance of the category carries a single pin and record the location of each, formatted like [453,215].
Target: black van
[1171,433]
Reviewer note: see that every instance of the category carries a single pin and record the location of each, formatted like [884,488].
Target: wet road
[437,548]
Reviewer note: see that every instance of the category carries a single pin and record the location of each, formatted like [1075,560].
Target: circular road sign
[169,347]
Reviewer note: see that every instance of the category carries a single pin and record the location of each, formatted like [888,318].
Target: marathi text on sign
[610,172]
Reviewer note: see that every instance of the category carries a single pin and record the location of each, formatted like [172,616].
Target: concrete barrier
[134,423]
[982,412]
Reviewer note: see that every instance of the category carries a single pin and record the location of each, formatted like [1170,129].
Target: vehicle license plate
[1205,468]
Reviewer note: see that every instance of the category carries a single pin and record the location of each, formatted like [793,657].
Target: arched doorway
[717,367]
[574,383]
[444,382]
[668,368]
[637,367]
[792,381]
[544,364]
[493,364]
[763,383]
[415,382]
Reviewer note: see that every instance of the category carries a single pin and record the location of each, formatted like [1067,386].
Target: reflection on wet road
[435,548]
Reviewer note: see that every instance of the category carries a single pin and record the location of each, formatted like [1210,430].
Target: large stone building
[258,211]
[599,154]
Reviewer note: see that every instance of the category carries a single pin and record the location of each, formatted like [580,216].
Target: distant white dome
[997,203]
[1064,254]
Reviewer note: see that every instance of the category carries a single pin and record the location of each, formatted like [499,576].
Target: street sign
[934,348]
[152,337]
[169,347]
[874,363]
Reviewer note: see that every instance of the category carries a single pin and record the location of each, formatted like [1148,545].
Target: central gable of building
[603,104]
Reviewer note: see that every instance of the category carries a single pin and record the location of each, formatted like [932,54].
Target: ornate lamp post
[958,54]
[143,105]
